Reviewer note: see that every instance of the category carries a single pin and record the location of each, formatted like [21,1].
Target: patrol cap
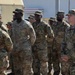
[60,13]
[31,16]
[38,13]
[71,12]
[18,11]
[52,19]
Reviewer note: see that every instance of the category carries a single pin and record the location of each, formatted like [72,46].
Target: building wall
[7,12]
[48,6]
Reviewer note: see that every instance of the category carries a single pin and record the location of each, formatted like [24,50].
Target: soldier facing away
[68,47]
[23,37]
[40,54]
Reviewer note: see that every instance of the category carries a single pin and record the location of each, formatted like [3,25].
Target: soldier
[40,55]
[52,21]
[59,31]
[31,19]
[49,46]
[9,26]
[68,47]
[5,48]
[23,37]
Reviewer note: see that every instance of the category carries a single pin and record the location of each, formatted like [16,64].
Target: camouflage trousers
[53,58]
[68,68]
[3,62]
[22,62]
[40,59]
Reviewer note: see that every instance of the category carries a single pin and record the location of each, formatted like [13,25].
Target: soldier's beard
[19,20]
[60,20]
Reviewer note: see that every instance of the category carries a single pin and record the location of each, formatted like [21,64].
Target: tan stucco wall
[7,12]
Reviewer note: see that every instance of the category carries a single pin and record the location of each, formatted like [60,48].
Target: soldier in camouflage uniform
[50,45]
[40,54]
[68,47]
[23,37]
[59,30]
[9,26]
[5,47]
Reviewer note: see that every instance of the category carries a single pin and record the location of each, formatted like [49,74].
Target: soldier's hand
[64,58]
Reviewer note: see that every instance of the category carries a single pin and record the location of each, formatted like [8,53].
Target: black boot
[56,73]
[49,73]
[36,74]
[11,74]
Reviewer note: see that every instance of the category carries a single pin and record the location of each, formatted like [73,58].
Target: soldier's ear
[40,16]
[21,14]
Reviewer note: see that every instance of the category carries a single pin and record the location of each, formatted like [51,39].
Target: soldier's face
[38,17]
[18,15]
[71,19]
[14,17]
[50,22]
[60,17]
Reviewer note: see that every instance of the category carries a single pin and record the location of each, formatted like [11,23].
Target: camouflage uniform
[40,47]
[9,26]
[3,27]
[59,30]
[68,49]
[23,36]
[50,45]
[68,43]
[5,47]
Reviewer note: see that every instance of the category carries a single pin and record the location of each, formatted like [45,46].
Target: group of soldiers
[34,47]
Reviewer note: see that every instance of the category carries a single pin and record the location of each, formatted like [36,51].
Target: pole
[68,5]
[57,6]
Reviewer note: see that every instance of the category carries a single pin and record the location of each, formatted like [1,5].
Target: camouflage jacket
[59,31]
[43,30]
[68,44]
[23,34]
[3,27]
[5,41]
